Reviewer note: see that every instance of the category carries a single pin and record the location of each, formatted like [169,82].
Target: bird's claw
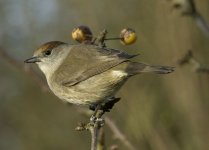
[100,121]
[97,120]
[93,119]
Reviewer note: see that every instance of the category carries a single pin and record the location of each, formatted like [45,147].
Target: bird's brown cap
[47,46]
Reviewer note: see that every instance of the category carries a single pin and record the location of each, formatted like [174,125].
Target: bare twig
[118,134]
[94,129]
[20,65]
[99,40]
[97,135]
[201,23]
[114,128]
[101,139]
[188,58]
[188,8]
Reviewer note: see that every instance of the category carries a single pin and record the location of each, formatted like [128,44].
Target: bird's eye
[47,53]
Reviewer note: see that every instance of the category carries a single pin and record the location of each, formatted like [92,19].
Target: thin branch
[94,129]
[99,40]
[201,23]
[189,58]
[188,8]
[97,141]
[114,128]
[118,134]
[20,66]
[101,140]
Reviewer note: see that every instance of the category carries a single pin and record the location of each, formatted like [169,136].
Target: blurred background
[157,112]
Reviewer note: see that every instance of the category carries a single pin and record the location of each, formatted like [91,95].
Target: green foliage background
[157,112]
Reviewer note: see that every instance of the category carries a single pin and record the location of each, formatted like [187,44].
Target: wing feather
[85,61]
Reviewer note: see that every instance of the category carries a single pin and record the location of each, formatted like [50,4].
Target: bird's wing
[85,61]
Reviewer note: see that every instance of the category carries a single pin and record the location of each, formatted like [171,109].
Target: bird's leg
[95,108]
[106,107]
[100,109]
[92,107]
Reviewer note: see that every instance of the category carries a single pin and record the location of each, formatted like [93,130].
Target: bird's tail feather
[135,68]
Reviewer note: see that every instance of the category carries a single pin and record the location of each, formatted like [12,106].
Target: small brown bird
[87,74]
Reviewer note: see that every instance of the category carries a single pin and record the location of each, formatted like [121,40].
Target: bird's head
[48,56]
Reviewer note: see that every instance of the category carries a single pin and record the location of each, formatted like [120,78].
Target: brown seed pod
[128,36]
[82,34]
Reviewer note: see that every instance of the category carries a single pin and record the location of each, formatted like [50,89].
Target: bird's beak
[32,60]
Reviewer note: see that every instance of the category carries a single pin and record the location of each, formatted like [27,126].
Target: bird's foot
[100,109]
[100,121]
[106,107]
[93,119]
[97,119]
[96,109]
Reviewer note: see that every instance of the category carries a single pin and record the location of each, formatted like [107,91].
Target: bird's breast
[93,90]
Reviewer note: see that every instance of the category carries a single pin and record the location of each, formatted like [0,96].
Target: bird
[87,74]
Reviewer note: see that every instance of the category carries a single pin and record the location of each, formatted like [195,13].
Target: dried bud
[81,127]
[82,34]
[128,36]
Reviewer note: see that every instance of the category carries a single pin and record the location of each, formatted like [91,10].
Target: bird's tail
[135,68]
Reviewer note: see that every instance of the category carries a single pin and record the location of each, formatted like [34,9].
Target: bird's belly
[93,90]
